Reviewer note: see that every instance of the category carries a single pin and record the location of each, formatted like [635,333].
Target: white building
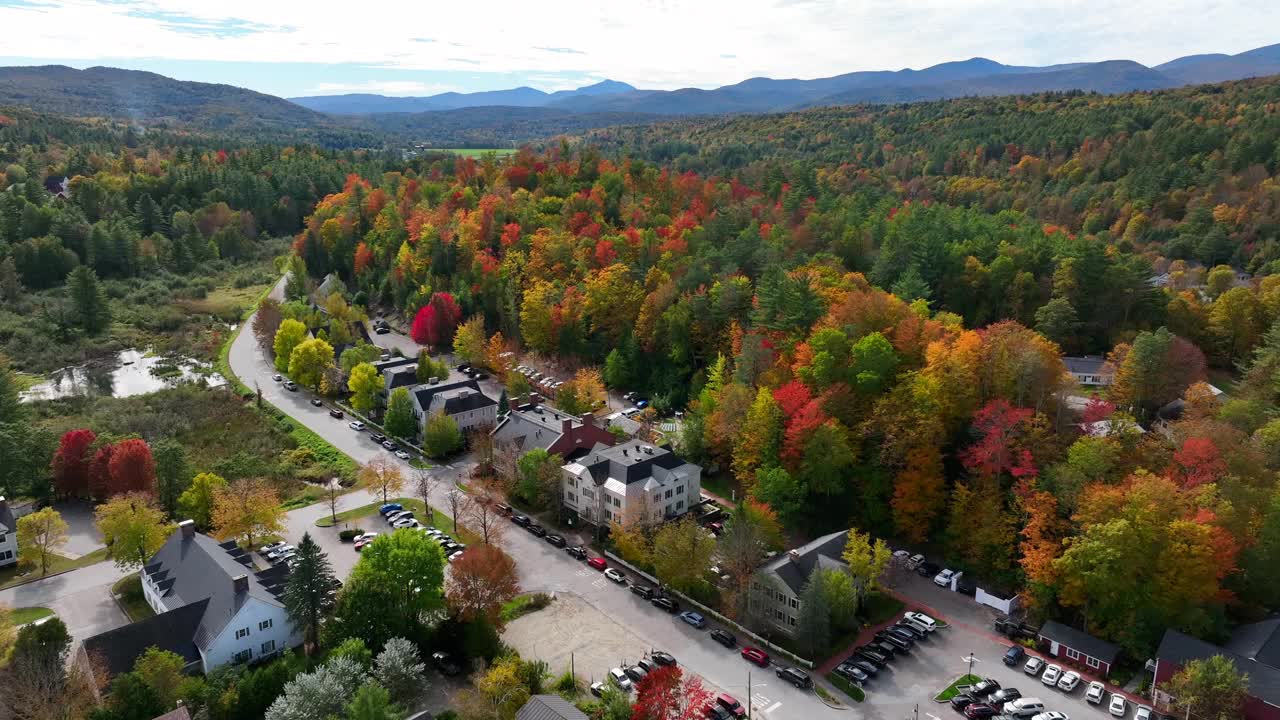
[8,535]
[213,607]
[463,401]
[607,483]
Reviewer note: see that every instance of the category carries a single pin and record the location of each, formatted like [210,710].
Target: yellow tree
[309,360]
[682,553]
[469,341]
[493,351]
[537,324]
[613,301]
[919,493]
[288,336]
[382,476]
[866,559]
[247,509]
[40,534]
[133,527]
[364,385]
[196,502]
[759,439]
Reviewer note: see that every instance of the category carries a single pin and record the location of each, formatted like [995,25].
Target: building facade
[1090,370]
[463,401]
[540,427]
[8,535]
[633,479]
[774,598]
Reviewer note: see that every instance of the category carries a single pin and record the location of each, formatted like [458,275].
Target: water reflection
[133,372]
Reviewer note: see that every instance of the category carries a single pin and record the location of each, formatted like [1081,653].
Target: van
[1024,707]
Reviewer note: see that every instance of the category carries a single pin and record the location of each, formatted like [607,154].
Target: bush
[846,687]
[349,535]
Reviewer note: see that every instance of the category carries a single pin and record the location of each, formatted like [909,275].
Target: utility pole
[748,695]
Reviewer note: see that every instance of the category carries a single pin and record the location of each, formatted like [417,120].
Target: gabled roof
[532,426]
[383,365]
[629,462]
[549,707]
[1258,641]
[196,568]
[1087,365]
[1179,648]
[1080,640]
[425,395]
[120,648]
[179,714]
[795,567]
[461,400]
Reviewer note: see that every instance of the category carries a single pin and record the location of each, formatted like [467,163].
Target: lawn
[24,615]
[522,605]
[879,607]
[438,519]
[721,484]
[128,590]
[476,152]
[952,690]
[11,576]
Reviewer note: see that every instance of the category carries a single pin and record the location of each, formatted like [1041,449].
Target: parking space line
[775,706]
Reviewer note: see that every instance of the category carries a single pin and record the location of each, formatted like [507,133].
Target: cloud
[380,87]
[566,51]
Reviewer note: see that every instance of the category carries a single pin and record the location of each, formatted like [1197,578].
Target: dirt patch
[571,626]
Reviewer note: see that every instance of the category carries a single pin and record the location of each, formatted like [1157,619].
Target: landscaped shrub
[349,535]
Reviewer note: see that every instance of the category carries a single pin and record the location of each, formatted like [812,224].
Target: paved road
[82,598]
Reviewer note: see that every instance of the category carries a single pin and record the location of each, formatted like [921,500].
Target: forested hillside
[864,311]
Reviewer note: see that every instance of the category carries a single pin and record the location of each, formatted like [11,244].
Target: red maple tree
[71,462]
[999,426]
[1198,462]
[132,467]
[100,473]
[668,694]
[435,322]
[791,397]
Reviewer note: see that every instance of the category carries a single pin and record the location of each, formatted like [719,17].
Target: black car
[643,591]
[464,367]
[555,540]
[662,659]
[979,711]
[536,529]
[851,672]
[887,649]
[382,330]
[901,644]
[1014,655]
[317,402]
[577,551]
[636,673]
[665,603]
[377,437]
[962,701]
[867,667]
[482,376]
[335,413]
[521,520]
[928,569]
[724,637]
[908,631]
[716,712]
[446,664]
[985,688]
[1004,695]
[872,654]
[794,676]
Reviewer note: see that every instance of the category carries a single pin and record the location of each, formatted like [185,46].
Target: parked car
[1118,705]
[1069,680]
[271,547]
[537,529]
[902,644]
[1142,713]
[402,455]
[907,631]
[795,676]
[665,603]
[662,659]
[866,666]
[636,673]
[291,386]
[277,377]
[1033,667]
[1050,715]
[730,703]
[390,508]
[359,544]
[755,655]
[577,552]
[852,673]
[503,508]
[1095,692]
[978,711]
[924,622]
[317,402]
[962,701]
[943,579]
[724,637]
[390,445]
[521,520]
[279,551]
[453,556]
[1051,675]
[598,563]
[928,569]
[915,561]
[377,437]
[335,413]
[381,330]
[618,677]
[395,515]
[872,655]
[889,650]
[985,688]
[406,522]
[597,689]
[447,664]
[285,557]
[1004,695]
[694,619]
[614,575]
[1014,655]
[555,540]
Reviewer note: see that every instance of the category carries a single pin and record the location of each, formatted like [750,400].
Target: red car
[598,563]
[755,655]
[979,711]
[730,703]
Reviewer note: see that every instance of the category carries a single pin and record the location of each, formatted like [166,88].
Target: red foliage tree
[510,234]
[100,473]
[1198,462]
[71,462]
[668,694]
[605,255]
[132,467]
[798,429]
[999,425]
[791,397]
[1097,409]
[435,322]
[363,258]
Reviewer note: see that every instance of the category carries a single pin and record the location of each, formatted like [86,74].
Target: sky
[320,47]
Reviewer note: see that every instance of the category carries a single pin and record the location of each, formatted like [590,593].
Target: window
[2,536]
[791,620]
[243,656]
[779,614]
[667,496]
[795,603]
[268,647]
[572,482]
[680,505]
[782,598]
[587,493]
[616,502]
[265,624]
[1072,654]
[1091,662]
[570,498]
[242,633]
[679,489]
[6,555]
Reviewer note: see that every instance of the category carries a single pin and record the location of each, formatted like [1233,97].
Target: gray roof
[549,707]
[383,365]
[1258,641]
[7,522]
[423,395]
[629,462]
[1081,641]
[1087,365]
[120,648]
[532,427]
[400,376]
[179,714]
[795,567]
[1180,648]
[200,568]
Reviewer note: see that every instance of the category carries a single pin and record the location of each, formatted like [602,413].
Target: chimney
[794,555]
[240,583]
[566,426]
[188,528]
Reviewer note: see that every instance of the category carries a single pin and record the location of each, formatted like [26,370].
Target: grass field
[129,590]
[24,615]
[476,152]
[10,576]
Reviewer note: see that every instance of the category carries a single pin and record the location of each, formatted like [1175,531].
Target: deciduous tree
[682,552]
[400,670]
[469,341]
[441,435]
[919,493]
[290,334]
[480,581]
[40,535]
[1212,688]
[364,384]
[172,474]
[132,467]
[133,527]
[266,321]
[248,508]
[668,694]
[866,559]
[196,502]
[400,421]
[434,323]
[381,476]
[309,360]
[71,462]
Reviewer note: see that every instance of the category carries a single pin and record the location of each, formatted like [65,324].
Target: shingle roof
[383,365]
[179,714]
[549,707]
[1080,640]
[794,568]
[1179,648]
[424,394]
[1086,365]
[629,462]
[120,648]
[1258,641]
[457,402]
[199,567]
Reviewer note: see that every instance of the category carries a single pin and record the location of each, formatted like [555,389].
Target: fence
[712,613]
[1005,606]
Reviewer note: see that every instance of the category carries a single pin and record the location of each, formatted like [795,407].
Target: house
[1078,648]
[774,598]
[463,401]
[1090,370]
[8,535]
[58,186]
[549,707]
[529,427]
[1254,649]
[607,483]
[213,607]
[399,376]
[180,713]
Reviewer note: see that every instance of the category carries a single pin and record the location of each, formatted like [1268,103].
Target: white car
[366,536]
[272,547]
[356,425]
[1119,706]
[619,678]
[924,621]
[915,561]
[1142,713]
[398,515]
[1033,666]
[615,576]
[454,556]
[405,523]
[943,579]
[1051,715]
[280,551]
[1051,675]
[402,455]
[1069,680]
[1095,692]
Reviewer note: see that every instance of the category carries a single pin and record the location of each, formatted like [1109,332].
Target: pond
[132,372]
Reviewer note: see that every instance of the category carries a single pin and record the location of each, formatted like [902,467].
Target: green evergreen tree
[172,473]
[307,596]
[813,627]
[400,420]
[89,302]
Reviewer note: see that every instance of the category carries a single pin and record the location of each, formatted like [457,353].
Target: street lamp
[970,659]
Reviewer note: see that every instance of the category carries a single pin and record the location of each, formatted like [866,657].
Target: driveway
[82,535]
[81,598]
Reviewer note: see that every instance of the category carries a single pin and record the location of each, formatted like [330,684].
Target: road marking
[599,583]
[967,658]
[778,704]
[759,700]
[931,715]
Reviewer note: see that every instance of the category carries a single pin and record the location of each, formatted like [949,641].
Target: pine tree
[306,594]
[400,420]
[90,303]
[813,627]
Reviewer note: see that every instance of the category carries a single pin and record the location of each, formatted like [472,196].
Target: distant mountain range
[978,76]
